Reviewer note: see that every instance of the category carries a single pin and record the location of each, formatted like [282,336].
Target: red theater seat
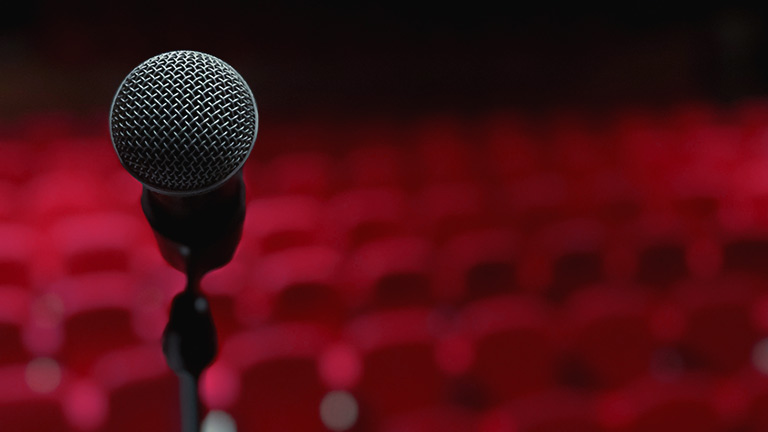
[477,264]
[400,372]
[142,391]
[97,317]
[56,194]
[607,336]
[9,194]
[642,143]
[20,253]
[551,411]
[719,331]
[16,161]
[745,397]
[700,189]
[302,173]
[355,217]
[661,245]
[90,154]
[15,157]
[536,201]
[439,419]
[662,406]
[296,284]
[99,242]
[124,193]
[31,398]
[746,252]
[14,311]
[574,252]
[616,200]
[514,352]
[280,388]
[445,210]
[280,222]
[389,273]
[746,205]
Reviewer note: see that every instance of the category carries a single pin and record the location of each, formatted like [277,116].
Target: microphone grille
[183,122]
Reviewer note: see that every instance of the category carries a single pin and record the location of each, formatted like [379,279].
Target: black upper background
[306,58]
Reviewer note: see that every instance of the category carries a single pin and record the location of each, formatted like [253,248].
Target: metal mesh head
[183,122]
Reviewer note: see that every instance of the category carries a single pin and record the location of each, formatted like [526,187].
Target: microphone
[183,124]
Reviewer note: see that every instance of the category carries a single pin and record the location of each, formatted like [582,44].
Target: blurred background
[398,57]
[470,218]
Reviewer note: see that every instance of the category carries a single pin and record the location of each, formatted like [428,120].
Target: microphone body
[197,233]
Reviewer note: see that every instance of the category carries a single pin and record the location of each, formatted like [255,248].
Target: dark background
[305,59]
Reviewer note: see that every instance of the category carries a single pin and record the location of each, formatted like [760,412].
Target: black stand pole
[190,345]
[190,403]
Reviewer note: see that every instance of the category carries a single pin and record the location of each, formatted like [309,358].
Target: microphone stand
[195,235]
[190,346]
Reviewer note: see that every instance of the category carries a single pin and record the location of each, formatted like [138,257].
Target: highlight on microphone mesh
[183,122]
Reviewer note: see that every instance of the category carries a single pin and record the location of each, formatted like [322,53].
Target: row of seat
[709,326]
[654,251]
[694,188]
[634,157]
[276,386]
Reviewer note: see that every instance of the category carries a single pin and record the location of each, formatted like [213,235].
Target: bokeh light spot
[338,410]
[43,375]
[47,310]
[760,356]
[218,421]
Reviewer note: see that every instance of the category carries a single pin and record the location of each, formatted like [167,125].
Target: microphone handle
[199,233]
